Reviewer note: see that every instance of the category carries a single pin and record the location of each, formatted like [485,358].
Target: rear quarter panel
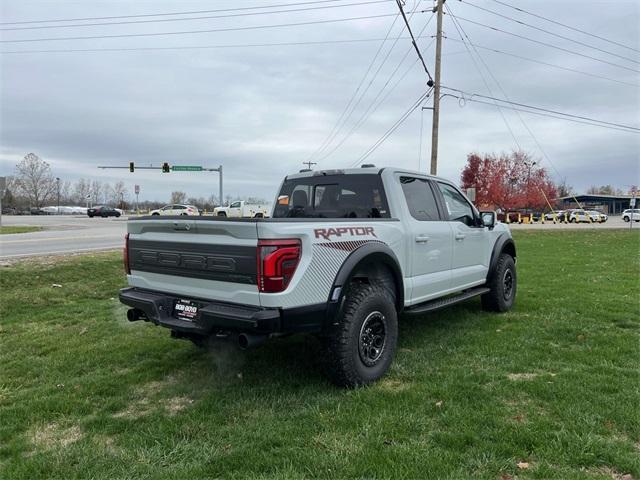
[326,244]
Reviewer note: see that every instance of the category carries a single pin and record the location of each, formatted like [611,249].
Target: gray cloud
[261,111]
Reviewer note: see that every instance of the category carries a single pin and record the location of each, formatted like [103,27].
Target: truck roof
[372,170]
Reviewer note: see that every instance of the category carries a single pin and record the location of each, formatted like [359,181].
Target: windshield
[332,196]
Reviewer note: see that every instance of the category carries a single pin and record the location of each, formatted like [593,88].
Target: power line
[547,64]
[129,22]
[215,30]
[467,96]
[359,122]
[549,32]
[526,126]
[463,98]
[373,106]
[490,27]
[339,123]
[484,80]
[202,47]
[191,12]
[415,45]
[393,128]
[567,26]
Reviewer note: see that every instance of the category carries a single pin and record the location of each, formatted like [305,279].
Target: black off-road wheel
[503,284]
[360,348]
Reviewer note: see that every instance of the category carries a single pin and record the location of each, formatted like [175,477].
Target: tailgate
[197,258]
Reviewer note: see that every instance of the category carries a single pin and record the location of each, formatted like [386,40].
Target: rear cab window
[420,198]
[332,196]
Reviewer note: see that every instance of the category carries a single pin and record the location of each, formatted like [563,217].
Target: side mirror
[488,219]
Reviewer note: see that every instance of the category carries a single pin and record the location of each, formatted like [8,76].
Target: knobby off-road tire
[360,349]
[503,284]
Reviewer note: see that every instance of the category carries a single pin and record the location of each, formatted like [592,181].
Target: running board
[445,302]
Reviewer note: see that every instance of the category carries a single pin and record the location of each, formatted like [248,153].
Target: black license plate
[185,310]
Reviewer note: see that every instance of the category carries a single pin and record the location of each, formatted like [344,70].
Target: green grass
[5,230]
[554,383]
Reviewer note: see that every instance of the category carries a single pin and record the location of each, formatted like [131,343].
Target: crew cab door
[472,243]
[428,242]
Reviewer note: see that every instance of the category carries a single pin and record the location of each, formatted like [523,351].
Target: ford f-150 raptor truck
[345,253]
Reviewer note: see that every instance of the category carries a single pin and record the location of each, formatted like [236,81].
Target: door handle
[422,239]
[460,236]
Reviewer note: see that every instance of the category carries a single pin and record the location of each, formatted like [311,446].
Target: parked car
[631,214]
[176,209]
[38,211]
[579,215]
[558,215]
[345,254]
[599,216]
[9,211]
[103,211]
[243,209]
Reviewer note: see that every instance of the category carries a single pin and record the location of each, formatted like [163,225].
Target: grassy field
[5,230]
[549,390]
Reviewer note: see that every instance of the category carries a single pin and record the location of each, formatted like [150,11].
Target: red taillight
[277,262]
[125,254]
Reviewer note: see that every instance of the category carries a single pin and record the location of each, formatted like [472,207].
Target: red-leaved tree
[507,181]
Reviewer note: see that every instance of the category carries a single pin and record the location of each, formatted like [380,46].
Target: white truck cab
[242,209]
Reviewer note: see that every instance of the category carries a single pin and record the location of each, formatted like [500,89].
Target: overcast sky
[261,111]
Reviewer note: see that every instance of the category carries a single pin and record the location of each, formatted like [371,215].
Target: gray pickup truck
[345,253]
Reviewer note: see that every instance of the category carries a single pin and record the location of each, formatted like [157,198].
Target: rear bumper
[217,317]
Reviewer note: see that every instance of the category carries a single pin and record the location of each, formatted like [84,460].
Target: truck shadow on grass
[298,360]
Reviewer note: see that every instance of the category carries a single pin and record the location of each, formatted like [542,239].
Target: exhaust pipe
[249,340]
[133,315]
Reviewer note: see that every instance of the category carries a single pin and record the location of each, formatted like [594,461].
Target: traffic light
[131,167]
[165,167]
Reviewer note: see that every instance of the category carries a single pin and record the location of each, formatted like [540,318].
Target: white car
[579,216]
[556,215]
[599,216]
[631,214]
[242,209]
[176,209]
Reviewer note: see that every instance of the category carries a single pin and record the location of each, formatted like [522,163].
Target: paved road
[63,234]
[71,234]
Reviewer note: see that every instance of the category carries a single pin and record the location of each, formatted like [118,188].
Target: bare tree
[34,179]
[96,191]
[178,197]
[564,189]
[81,191]
[117,193]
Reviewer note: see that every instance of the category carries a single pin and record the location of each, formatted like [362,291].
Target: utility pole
[436,91]
[309,163]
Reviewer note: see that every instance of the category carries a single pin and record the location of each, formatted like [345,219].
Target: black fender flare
[370,252]
[504,243]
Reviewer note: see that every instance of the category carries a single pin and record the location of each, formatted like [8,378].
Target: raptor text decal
[327,233]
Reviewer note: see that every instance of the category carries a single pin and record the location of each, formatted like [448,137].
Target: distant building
[609,204]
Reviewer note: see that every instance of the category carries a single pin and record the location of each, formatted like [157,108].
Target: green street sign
[186,168]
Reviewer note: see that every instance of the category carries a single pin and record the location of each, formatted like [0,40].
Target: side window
[457,206]
[420,199]
[235,205]
[179,207]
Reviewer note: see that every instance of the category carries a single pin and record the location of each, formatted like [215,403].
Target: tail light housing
[277,262]
[125,255]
